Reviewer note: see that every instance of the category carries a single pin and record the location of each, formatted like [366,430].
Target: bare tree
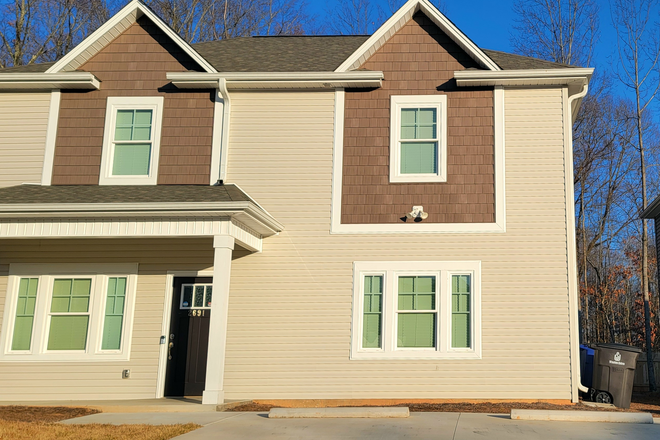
[204,20]
[354,17]
[639,52]
[563,31]
[44,30]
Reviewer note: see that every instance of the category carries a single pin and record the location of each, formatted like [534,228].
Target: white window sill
[415,355]
[418,178]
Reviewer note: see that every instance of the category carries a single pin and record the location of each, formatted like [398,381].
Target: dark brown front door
[189,337]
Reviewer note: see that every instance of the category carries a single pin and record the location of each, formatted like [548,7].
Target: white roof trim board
[277,80]
[546,77]
[399,19]
[93,44]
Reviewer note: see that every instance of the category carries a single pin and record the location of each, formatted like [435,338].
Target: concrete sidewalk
[436,426]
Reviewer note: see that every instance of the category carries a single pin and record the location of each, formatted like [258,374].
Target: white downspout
[226,114]
[573,286]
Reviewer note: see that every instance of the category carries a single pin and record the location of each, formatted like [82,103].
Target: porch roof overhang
[32,211]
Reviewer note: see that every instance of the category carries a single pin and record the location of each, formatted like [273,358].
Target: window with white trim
[68,312]
[418,138]
[416,310]
[131,141]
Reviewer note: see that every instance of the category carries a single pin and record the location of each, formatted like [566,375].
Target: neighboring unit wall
[102,380]
[23,124]
[135,64]
[289,325]
[419,60]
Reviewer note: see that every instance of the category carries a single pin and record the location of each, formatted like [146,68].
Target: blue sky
[489,23]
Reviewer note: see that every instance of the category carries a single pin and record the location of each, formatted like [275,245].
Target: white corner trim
[114,103]
[400,102]
[216,142]
[391,26]
[226,122]
[337,159]
[51,137]
[499,226]
[46,273]
[390,271]
[115,26]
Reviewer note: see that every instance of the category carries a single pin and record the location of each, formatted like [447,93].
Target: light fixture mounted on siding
[417,214]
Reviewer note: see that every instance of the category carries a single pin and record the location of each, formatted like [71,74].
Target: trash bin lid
[620,347]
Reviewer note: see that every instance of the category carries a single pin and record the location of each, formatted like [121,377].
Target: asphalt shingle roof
[300,54]
[121,194]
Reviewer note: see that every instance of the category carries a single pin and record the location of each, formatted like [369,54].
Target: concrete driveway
[436,426]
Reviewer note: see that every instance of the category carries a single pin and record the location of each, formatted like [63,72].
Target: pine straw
[48,431]
[48,414]
[641,403]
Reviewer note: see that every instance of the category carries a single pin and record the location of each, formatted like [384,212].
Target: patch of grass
[15,430]
[48,414]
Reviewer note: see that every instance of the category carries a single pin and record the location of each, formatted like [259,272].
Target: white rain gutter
[277,80]
[570,219]
[49,81]
[527,77]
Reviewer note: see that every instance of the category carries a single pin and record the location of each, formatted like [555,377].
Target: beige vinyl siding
[102,380]
[289,324]
[23,123]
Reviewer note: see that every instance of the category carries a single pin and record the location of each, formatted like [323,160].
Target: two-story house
[309,217]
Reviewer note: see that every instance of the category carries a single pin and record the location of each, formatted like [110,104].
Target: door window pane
[209,295]
[27,297]
[114,314]
[373,312]
[186,302]
[199,296]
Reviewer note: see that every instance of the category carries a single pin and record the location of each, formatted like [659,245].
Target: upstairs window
[131,141]
[418,138]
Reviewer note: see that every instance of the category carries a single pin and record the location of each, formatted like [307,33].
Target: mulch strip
[641,403]
[45,414]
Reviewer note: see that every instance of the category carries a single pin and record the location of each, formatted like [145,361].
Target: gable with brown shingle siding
[419,60]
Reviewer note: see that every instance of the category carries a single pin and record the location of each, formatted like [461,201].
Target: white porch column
[215,365]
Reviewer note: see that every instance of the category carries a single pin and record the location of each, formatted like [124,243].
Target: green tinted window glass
[114,314]
[133,125]
[460,311]
[373,312]
[416,293]
[418,123]
[68,332]
[416,330]
[68,328]
[419,157]
[131,160]
[199,296]
[27,297]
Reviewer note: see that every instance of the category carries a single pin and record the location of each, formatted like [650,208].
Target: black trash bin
[614,372]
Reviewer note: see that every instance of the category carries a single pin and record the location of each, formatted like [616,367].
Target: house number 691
[196,312]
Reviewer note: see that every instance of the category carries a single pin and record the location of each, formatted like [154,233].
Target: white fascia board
[49,81]
[262,80]
[396,21]
[527,77]
[269,226]
[115,26]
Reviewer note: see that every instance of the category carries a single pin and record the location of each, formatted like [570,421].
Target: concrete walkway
[436,426]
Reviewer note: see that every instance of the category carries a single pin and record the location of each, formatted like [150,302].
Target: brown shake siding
[419,60]
[135,64]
